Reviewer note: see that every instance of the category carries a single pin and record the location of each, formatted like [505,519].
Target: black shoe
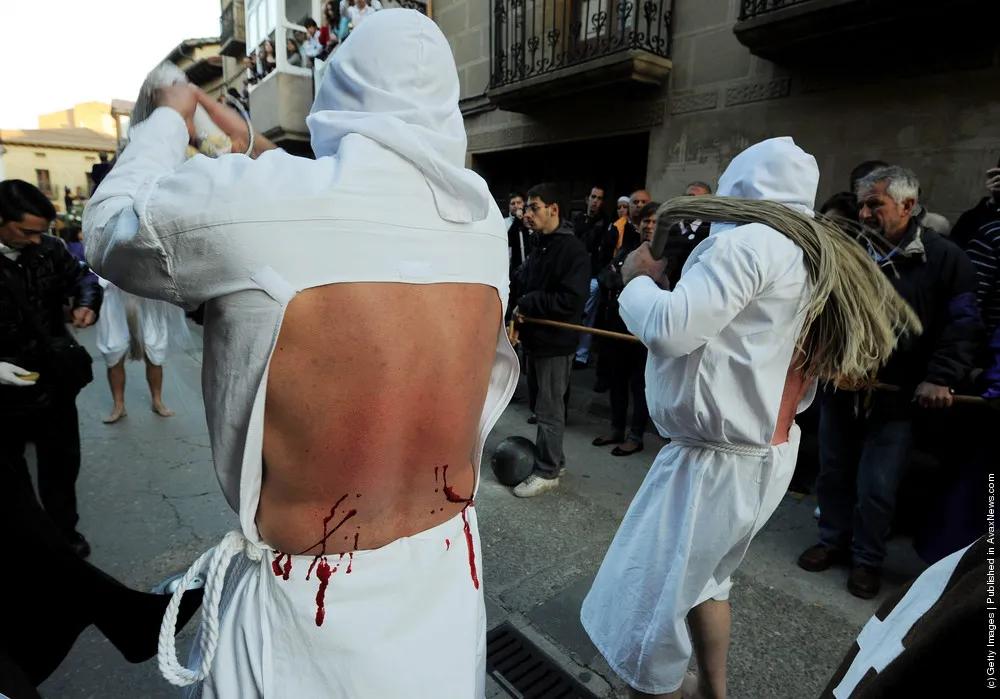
[533,420]
[79,545]
[818,558]
[864,581]
[636,448]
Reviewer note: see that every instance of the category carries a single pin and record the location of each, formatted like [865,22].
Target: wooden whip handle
[581,329]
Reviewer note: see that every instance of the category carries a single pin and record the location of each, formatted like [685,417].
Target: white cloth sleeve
[120,245]
[162,226]
[706,299]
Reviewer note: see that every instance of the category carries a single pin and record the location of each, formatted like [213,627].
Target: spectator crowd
[304,48]
[874,441]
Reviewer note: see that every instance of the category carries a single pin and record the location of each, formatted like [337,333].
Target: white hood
[394,81]
[775,169]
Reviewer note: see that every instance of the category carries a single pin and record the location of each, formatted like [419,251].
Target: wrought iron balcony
[233,34]
[540,49]
[756,8]
[829,33]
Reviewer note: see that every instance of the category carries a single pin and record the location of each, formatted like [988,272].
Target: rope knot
[218,560]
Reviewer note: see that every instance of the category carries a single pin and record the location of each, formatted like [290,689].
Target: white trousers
[113,331]
[684,534]
[405,620]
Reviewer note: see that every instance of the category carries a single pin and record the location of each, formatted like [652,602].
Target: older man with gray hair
[865,435]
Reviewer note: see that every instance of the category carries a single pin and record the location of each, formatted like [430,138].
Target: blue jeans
[862,462]
[589,318]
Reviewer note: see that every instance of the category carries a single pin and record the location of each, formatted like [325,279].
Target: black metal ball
[513,460]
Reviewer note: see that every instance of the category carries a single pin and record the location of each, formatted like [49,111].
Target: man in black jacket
[589,227]
[985,212]
[621,233]
[684,236]
[865,436]
[553,284]
[41,366]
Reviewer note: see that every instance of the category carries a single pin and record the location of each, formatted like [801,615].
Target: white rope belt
[218,560]
[737,449]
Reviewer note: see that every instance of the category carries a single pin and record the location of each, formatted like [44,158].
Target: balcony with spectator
[288,50]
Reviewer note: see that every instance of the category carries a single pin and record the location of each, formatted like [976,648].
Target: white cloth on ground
[246,236]
[720,345]
[163,326]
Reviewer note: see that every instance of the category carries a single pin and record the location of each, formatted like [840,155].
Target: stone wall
[945,123]
[466,23]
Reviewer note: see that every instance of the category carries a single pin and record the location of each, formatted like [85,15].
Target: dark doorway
[617,163]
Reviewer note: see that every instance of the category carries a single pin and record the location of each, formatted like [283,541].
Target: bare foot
[690,688]
[116,415]
[160,409]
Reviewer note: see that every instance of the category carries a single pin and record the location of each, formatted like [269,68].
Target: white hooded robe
[387,199]
[720,346]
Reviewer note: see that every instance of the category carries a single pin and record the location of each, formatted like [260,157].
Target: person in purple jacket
[72,235]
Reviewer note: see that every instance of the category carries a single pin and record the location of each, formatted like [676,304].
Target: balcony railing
[823,35]
[531,38]
[755,8]
[232,36]
[228,22]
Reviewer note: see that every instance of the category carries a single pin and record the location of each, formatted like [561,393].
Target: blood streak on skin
[319,562]
[452,496]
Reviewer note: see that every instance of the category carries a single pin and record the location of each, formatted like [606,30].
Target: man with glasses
[553,284]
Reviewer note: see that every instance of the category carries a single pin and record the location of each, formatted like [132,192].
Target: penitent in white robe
[387,200]
[161,327]
[720,345]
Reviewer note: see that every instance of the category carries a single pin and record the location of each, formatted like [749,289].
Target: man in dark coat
[41,367]
[553,284]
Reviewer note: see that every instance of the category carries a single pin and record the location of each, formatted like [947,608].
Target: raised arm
[153,224]
[711,293]
[121,244]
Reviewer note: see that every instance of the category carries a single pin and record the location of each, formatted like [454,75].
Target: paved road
[150,505]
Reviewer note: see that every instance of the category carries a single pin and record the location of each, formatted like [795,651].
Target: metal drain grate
[525,671]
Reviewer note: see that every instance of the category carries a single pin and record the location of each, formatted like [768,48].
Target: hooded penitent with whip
[773,302]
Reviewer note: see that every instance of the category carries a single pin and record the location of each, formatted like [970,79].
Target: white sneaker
[534,485]
[816,513]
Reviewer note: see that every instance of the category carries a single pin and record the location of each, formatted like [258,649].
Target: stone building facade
[920,88]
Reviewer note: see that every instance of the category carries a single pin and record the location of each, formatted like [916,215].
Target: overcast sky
[57,53]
